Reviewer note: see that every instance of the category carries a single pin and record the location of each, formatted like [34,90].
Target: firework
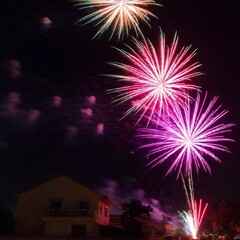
[120,15]
[155,78]
[189,136]
[193,217]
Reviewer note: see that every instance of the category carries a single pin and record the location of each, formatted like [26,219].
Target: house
[61,207]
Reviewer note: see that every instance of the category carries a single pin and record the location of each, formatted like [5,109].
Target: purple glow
[34,114]
[188,137]
[57,101]
[87,112]
[100,128]
[155,78]
[14,68]
[91,99]
[72,132]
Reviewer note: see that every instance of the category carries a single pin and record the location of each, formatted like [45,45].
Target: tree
[227,218]
[133,216]
[7,222]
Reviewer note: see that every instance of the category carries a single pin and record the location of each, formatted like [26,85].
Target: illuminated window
[106,211]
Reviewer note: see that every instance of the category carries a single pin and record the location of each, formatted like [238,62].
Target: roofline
[103,197]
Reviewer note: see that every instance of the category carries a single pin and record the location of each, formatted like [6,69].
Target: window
[79,230]
[84,205]
[106,211]
[100,209]
[56,204]
[55,207]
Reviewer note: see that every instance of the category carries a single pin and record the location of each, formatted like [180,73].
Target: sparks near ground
[155,78]
[189,136]
[193,217]
[120,15]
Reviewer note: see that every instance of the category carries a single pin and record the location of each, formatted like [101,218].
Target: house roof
[101,196]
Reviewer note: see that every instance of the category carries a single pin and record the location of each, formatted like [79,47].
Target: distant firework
[120,15]
[193,219]
[188,137]
[155,78]
[194,216]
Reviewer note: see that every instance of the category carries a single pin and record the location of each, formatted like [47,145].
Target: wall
[101,218]
[63,227]
[32,204]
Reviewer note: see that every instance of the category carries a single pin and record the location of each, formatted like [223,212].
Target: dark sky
[41,138]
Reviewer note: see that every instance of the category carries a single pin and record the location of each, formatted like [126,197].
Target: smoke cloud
[126,190]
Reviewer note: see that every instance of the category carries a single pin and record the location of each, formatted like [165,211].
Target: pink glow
[100,128]
[46,21]
[155,78]
[91,99]
[72,132]
[34,114]
[188,137]
[57,101]
[87,112]
[14,68]
[12,103]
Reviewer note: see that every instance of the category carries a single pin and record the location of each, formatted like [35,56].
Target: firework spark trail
[155,78]
[188,136]
[121,15]
[192,218]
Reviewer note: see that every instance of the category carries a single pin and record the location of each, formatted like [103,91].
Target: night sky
[55,115]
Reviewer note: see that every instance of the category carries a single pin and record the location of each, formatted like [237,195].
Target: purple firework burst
[188,137]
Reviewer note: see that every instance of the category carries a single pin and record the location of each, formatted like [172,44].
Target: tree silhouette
[133,216]
[7,222]
[227,217]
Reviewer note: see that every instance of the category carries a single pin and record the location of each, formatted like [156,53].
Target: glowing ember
[120,15]
[155,78]
[187,135]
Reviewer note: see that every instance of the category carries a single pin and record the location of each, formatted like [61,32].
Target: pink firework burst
[155,78]
[189,136]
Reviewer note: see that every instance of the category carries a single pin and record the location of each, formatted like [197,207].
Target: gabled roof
[102,197]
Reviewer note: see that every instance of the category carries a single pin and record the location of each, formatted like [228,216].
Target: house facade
[61,207]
